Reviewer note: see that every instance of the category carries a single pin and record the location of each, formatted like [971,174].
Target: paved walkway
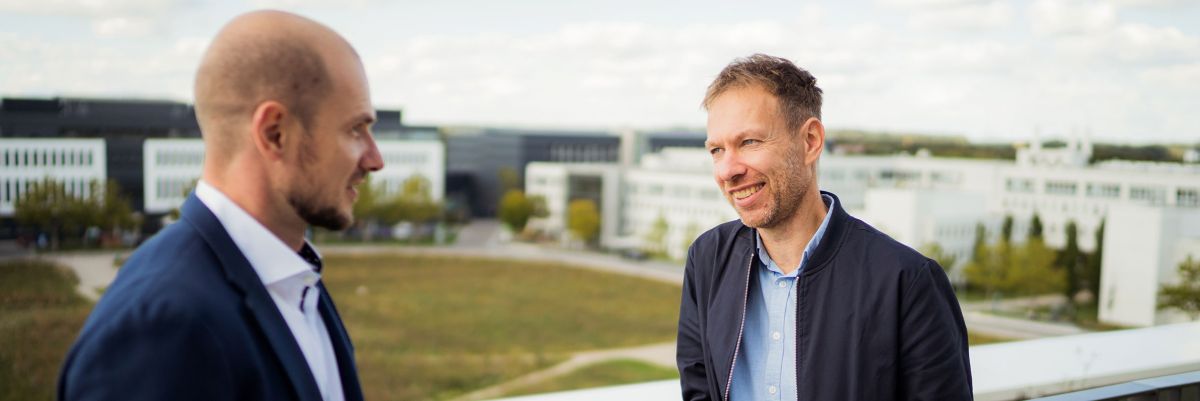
[94,269]
[659,354]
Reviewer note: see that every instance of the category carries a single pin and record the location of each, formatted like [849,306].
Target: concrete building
[120,130]
[476,158]
[172,167]
[1147,245]
[74,162]
[921,200]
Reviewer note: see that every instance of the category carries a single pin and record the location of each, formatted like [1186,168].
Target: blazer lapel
[342,347]
[239,273]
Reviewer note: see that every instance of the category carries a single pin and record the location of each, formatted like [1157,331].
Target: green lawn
[435,327]
[622,371]
[40,315]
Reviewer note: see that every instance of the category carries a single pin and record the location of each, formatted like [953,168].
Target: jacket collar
[242,276]
[839,224]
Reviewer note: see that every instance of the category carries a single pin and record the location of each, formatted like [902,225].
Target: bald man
[227,303]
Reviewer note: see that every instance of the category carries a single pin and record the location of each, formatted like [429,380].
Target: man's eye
[749,142]
[714,151]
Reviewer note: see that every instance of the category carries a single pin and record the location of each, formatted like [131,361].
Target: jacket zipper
[796,342]
[741,326]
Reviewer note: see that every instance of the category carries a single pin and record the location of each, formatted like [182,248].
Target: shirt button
[772,390]
[776,336]
[782,284]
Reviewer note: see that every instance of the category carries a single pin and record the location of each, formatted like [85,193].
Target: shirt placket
[776,309]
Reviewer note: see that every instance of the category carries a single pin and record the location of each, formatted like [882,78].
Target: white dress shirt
[286,276]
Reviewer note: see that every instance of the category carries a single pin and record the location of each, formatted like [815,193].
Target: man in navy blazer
[226,303]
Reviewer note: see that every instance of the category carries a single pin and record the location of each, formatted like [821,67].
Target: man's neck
[255,198]
[786,242]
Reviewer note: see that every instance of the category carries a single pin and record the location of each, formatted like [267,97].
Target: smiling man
[227,302]
[798,300]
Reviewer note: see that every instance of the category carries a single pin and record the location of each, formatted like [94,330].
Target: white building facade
[74,162]
[172,167]
[921,200]
[1143,248]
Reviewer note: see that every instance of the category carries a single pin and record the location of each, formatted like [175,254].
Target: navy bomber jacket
[875,320]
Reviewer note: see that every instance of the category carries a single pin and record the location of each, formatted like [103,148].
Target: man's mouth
[746,192]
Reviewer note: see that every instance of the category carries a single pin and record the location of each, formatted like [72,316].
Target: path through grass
[429,327]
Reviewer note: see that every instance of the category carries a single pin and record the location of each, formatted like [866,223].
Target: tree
[583,220]
[1070,260]
[1035,226]
[515,210]
[987,271]
[1016,270]
[114,213]
[979,251]
[509,179]
[415,201]
[1185,294]
[1007,229]
[47,207]
[656,237]
[368,208]
[1031,270]
[690,233]
[945,259]
[1092,276]
[50,207]
[540,209]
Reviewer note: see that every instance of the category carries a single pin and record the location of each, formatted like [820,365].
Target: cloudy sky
[1124,71]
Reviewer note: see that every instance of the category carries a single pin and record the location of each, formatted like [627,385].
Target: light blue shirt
[765,368]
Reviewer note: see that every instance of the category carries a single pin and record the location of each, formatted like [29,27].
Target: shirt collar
[272,260]
[808,249]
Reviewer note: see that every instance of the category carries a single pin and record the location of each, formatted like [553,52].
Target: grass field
[423,327]
[40,314]
[435,328]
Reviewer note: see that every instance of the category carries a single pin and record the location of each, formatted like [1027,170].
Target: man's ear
[813,133]
[267,129]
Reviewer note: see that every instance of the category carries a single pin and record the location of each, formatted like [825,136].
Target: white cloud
[1133,43]
[1085,67]
[970,16]
[124,27]
[1068,17]
[89,7]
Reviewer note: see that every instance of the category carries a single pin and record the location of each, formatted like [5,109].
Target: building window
[1149,195]
[1021,185]
[1187,197]
[1103,190]
[1061,188]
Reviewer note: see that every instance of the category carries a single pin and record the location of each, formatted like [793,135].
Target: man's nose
[729,167]
[372,161]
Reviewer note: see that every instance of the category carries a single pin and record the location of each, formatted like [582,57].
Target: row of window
[1048,205]
[582,153]
[173,188]
[178,158]
[408,158]
[1144,194]
[47,157]
[889,175]
[11,190]
[675,191]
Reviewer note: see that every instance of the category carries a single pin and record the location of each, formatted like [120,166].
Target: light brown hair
[795,88]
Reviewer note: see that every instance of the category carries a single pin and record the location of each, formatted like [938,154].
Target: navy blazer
[188,318]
